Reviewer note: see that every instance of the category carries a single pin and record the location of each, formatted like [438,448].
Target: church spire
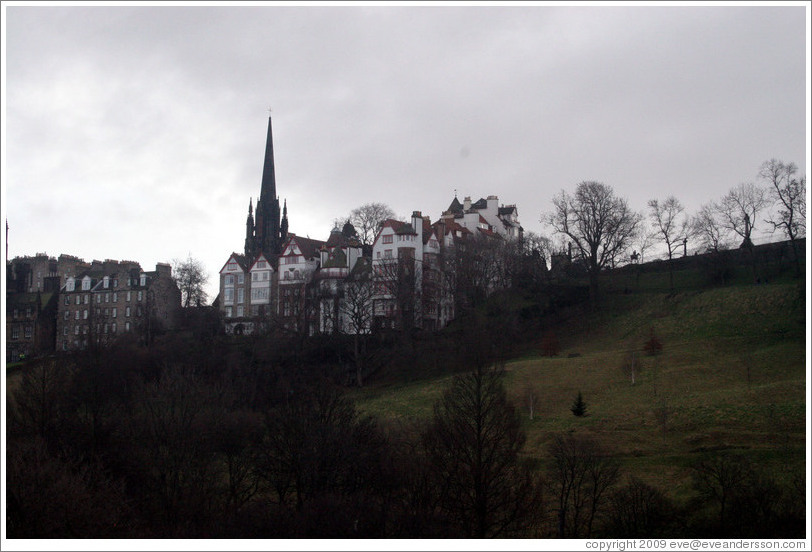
[268,191]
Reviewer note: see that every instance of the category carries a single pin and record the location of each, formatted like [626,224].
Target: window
[85,299]
[127,311]
[229,280]
[127,326]
[65,330]
[106,282]
[98,298]
[84,314]
[15,332]
[67,315]
[143,279]
[254,276]
[106,313]
[76,330]
[78,314]
[67,299]
[258,294]
[115,312]
[228,295]
[140,295]
[240,295]
[387,238]
[265,276]
[293,259]
[261,264]
[70,285]
[115,282]
[107,297]
[28,312]
[78,300]
[387,254]
[240,311]
[129,296]
[85,284]
[114,327]
[240,278]
[115,297]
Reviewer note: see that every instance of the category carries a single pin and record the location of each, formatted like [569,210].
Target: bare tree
[600,224]
[708,228]
[582,474]
[789,195]
[190,276]
[671,225]
[357,309]
[531,398]
[367,218]
[739,208]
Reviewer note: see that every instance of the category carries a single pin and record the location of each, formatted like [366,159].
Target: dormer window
[106,282]
[70,284]
[86,283]
[143,279]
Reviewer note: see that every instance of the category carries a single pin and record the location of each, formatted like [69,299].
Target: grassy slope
[731,375]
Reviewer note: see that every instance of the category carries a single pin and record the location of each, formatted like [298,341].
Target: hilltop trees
[789,195]
[739,208]
[600,224]
[671,225]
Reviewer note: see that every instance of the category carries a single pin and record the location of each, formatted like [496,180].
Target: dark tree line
[244,439]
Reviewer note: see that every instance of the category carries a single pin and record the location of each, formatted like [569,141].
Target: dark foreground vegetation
[202,435]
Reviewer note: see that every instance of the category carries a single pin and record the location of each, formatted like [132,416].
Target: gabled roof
[481,203]
[428,231]
[507,210]
[239,259]
[337,259]
[451,226]
[362,265]
[309,248]
[270,259]
[405,228]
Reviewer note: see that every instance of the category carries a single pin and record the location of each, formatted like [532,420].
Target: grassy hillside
[731,375]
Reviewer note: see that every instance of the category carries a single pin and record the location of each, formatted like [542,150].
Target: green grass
[731,376]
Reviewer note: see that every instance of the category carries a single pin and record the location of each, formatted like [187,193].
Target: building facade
[99,305]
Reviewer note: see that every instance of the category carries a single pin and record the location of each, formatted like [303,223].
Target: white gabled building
[298,263]
[486,215]
[406,261]
[234,291]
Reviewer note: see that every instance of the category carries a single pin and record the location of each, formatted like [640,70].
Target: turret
[283,227]
[249,229]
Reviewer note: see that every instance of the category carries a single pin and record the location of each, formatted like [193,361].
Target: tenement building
[111,298]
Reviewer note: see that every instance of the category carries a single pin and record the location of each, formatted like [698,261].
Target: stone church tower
[265,232]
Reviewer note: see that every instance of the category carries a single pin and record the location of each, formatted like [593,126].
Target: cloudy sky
[137,132]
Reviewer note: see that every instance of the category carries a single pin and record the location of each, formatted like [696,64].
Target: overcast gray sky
[138,132]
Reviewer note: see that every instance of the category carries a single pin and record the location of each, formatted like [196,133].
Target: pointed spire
[250,206]
[285,209]
[268,191]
